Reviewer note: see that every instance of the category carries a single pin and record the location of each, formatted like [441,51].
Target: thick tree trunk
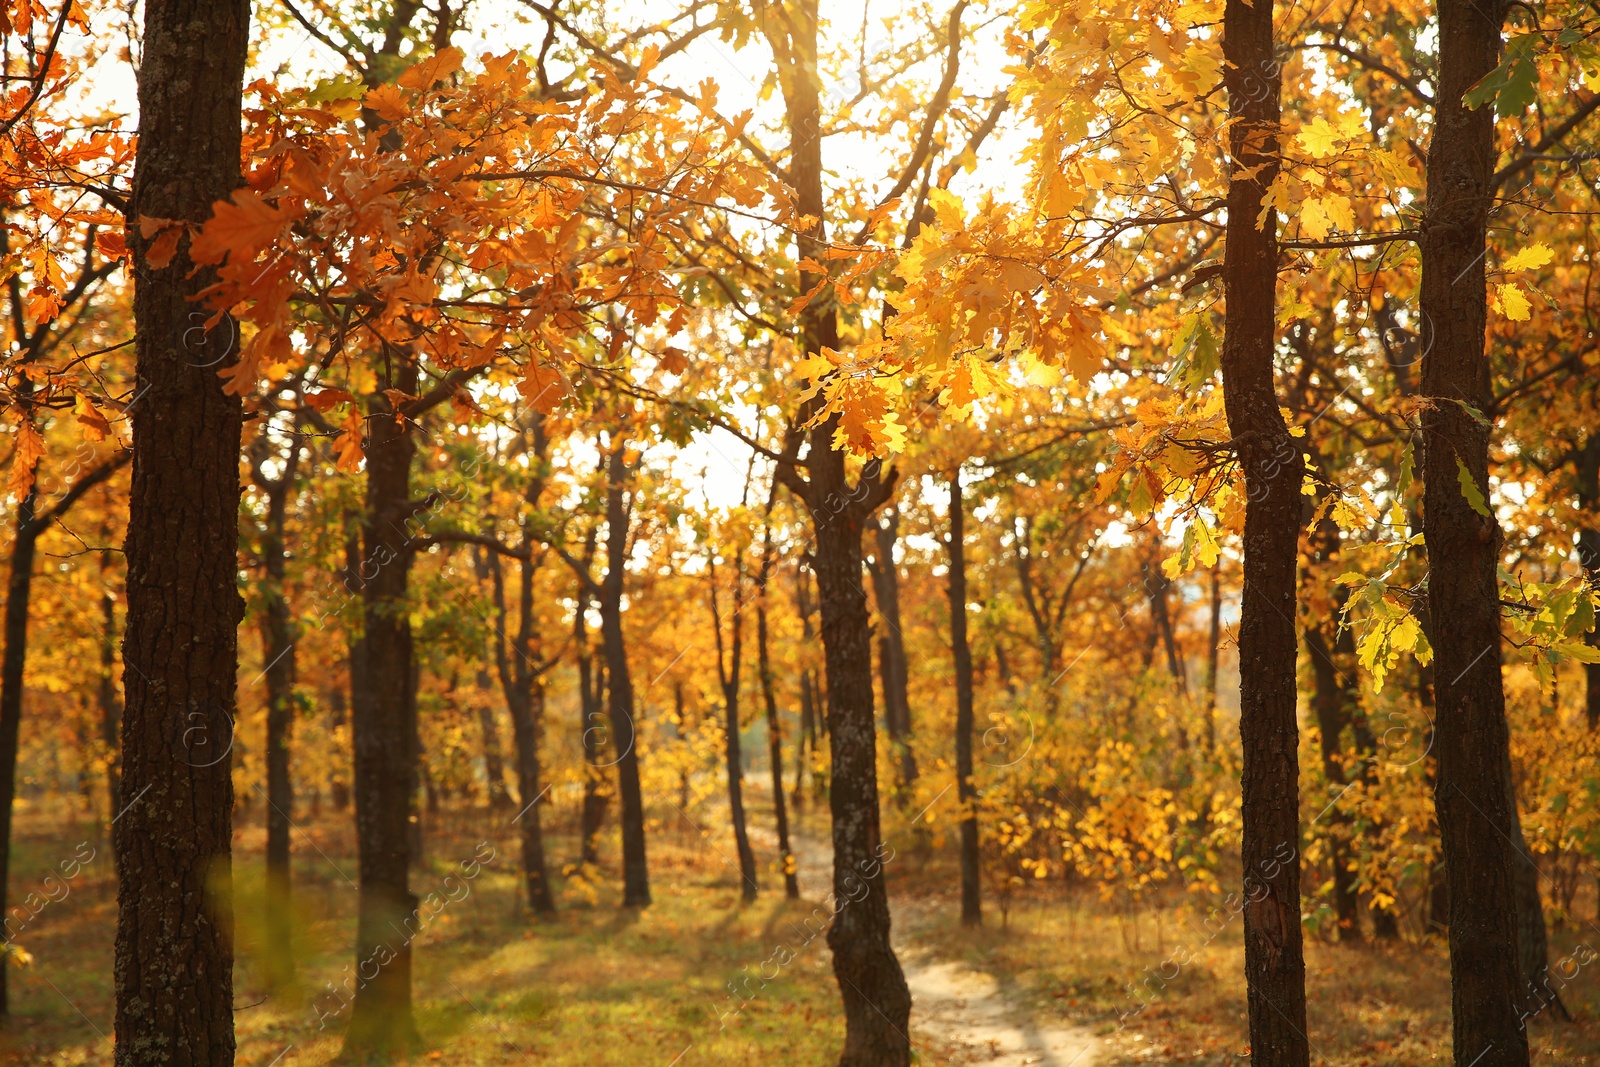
[383,735]
[971,906]
[1272,464]
[635,867]
[791,883]
[174,952]
[19,588]
[1473,792]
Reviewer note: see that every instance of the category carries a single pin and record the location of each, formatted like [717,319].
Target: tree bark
[1330,701]
[1473,792]
[1272,464]
[971,906]
[635,867]
[19,588]
[591,693]
[174,952]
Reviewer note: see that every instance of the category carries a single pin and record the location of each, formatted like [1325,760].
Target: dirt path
[967,1016]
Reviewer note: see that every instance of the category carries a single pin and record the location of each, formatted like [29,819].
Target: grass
[600,985]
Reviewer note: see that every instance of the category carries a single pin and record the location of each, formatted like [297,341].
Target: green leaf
[1470,490]
[1514,84]
[1195,352]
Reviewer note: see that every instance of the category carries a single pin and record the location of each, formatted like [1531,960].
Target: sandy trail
[969,1015]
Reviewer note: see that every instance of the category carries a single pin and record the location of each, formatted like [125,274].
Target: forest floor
[1048,983]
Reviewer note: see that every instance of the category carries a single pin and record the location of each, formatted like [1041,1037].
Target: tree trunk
[174,952]
[494,767]
[971,907]
[791,883]
[1472,793]
[591,691]
[892,646]
[383,735]
[19,587]
[1533,945]
[728,679]
[1329,700]
[1588,470]
[1272,464]
[635,868]
[278,649]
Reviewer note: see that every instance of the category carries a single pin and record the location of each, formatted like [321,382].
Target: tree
[955,543]
[1473,792]
[174,953]
[1271,460]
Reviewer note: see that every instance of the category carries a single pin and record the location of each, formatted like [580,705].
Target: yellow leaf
[1314,222]
[1320,138]
[1514,302]
[1530,258]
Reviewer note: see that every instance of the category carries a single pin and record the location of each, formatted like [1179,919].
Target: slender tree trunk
[1588,470]
[494,767]
[1329,702]
[971,907]
[383,733]
[1473,791]
[591,691]
[728,678]
[19,588]
[1272,464]
[892,646]
[278,648]
[174,951]
[806,742]
[635,867]
[791,883]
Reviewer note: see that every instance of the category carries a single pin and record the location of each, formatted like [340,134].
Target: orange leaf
[239,229]
[389,102]
[436,67]
[347,446]
[543,387]
[30,447]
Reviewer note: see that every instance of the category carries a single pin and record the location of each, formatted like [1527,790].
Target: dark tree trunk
[1157,586]
[635,868]
[1533,945]
[278,651]
[591,692]
[1473,792]
[892,646]
[1329,700]
[728,678]
[791,883]
[1588,470]
[174,951]
[806,746]
[971,907]
[1274,963]
[494,767]
[19,588]
[877,1003]
[383,734]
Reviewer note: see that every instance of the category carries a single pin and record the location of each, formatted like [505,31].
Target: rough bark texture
[174,953]
[1272,464]
[728,677]
[971,906]
[635,867]
[382,733]
[174,957]
[1472,792]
